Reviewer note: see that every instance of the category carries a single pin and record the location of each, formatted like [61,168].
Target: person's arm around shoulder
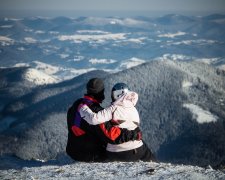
[96,118]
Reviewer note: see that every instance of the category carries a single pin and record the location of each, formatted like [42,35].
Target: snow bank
[114,21]
[222,67]
[92,32]
[21,48]
[39,32]
[21,65]
[173,57]
[100,38]
[172,35]
[186,84]
[101,61]
[38,77]
[63,56]
[193,42]
[30,40]
[131,63]
[201,115]
[112,170]
[6,26]
[6,41]
[43,73]
[136,40]
[45,68]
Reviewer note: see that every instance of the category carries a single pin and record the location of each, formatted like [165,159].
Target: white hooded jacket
[123,111]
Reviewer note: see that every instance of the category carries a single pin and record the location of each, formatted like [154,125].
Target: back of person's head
[118,90]
[95,88]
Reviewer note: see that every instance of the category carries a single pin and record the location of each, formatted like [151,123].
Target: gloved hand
[80,106]
[128,135]
[137,134]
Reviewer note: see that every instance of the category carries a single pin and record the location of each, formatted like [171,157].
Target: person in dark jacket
[123,111]
[88,142]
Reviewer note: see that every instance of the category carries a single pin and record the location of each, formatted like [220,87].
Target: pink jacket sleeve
[96,118]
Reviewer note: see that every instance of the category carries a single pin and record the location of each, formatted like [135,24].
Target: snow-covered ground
[170,35]
[42,73]
[98,38]
[111,170]
[6,41]
[39,77]
[201,115]
[131,63]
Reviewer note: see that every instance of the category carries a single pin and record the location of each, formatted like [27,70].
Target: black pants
[142,153]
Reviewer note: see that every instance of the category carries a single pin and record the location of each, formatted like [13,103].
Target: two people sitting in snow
[96,134]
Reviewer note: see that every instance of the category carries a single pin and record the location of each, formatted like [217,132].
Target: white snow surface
[6,41]
[172,35]
[136,40]
[113,170]
[47,74]
[201,115]
[192,42]
[39,32]
[21,48]
[182,57]
[21,65]
[92,32]
[4,38]
[6,26]
[43,73]
[38,77]
[78,38]
[131,63]
[63,56]
[186,84]
[173,57]
[222,67]
[30,40]
[124,22]
[102,61]
[46,68]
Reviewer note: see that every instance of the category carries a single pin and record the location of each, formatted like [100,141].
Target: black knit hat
[95,86]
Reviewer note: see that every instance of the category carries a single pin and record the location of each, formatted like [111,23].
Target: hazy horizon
[79,13]
[105,8]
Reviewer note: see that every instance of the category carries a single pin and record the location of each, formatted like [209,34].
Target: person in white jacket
[124,114]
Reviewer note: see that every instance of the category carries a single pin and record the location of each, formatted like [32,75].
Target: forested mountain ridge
[181,105]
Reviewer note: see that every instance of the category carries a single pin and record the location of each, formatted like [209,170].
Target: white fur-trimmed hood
[127,100]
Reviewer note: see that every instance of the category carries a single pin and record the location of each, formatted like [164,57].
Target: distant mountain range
[175,63]
[78,45]
[181,105]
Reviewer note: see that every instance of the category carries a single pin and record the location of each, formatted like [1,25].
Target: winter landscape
[176,63]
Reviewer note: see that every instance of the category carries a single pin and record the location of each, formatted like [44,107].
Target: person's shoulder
[76,103]
[96,107]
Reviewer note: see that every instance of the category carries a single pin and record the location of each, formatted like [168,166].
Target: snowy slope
[174,99]
[43,73]
[14,84]
[38,77]
[20,80]
[44,100]
[182,109]
[112,170]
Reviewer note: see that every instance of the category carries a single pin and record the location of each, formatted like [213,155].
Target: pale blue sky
[110,6]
